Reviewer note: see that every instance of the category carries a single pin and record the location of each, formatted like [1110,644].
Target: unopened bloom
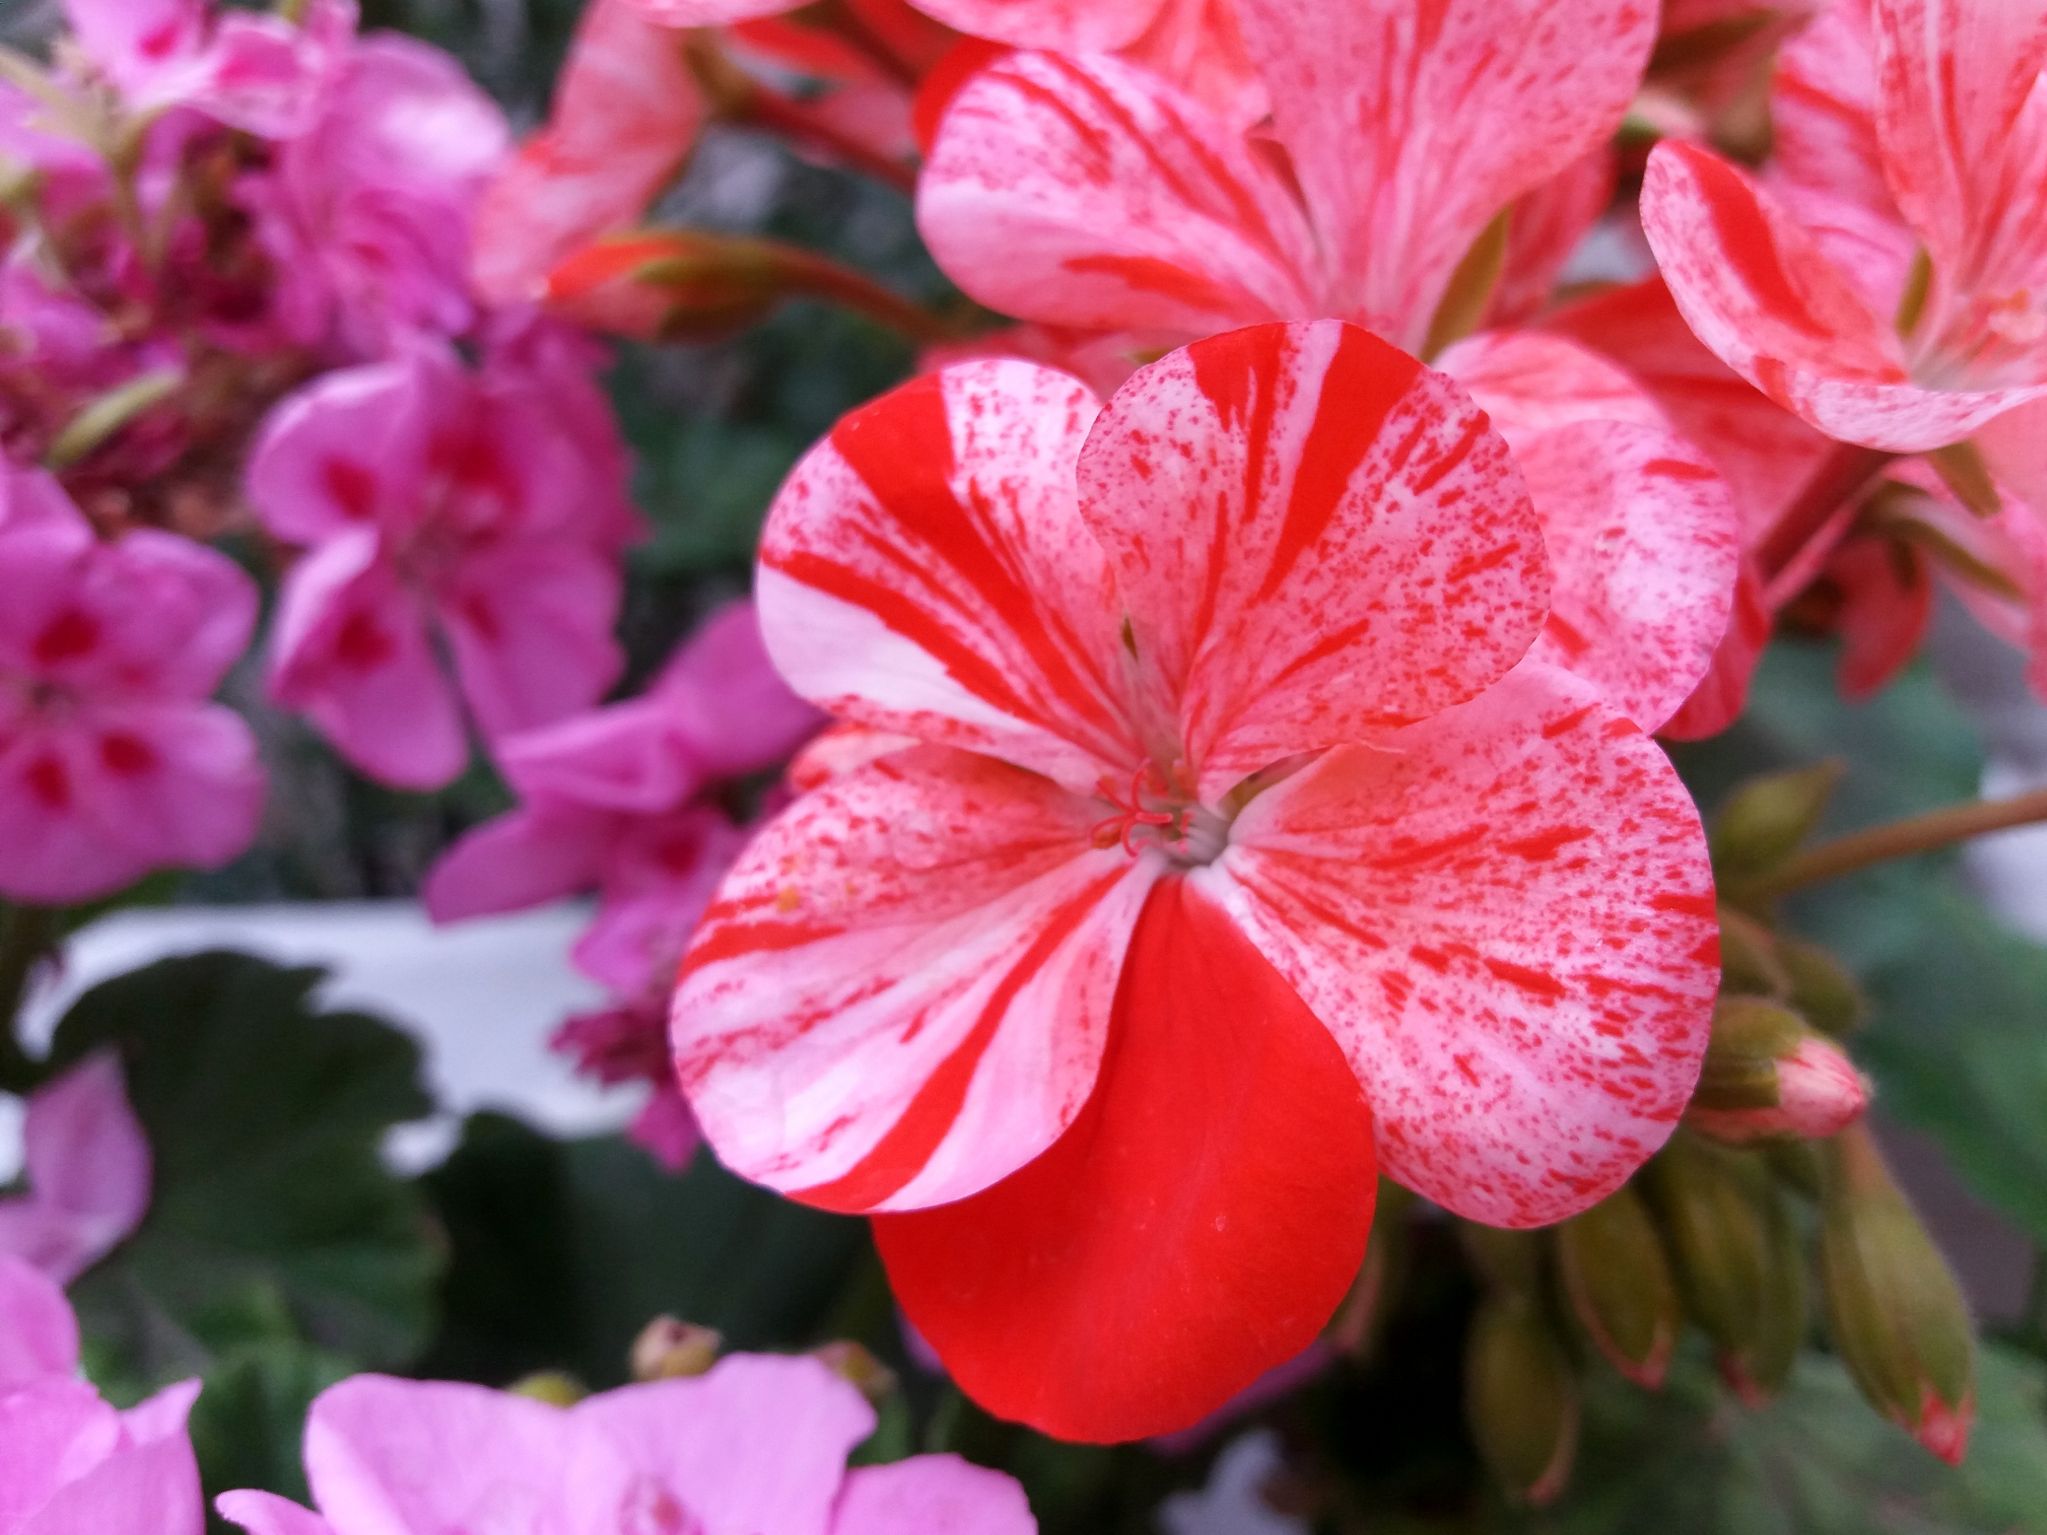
[437,504]
[758,1444]
[69,1461]
[1234,864]
[1769,1075]
[1086,192]
[88,1172]
[1917,136]
[113,762]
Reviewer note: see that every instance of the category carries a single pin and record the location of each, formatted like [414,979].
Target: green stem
[27,933]
[1926,833]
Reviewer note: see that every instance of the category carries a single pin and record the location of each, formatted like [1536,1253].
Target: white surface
[482,998]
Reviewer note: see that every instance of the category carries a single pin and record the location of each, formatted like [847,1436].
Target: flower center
[1149,812]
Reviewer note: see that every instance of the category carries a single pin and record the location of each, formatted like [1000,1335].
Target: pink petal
[760,1443]
[523,858]
[1198,45]
[1546,228]
[629,758]
[901,992]
[1059,26]
[1530,384]
[150,1489]
[725,698]
[85,1155]
[1645,542]
[530,625]
[838,751]
[52,1432]
[1887,604]
[1757,290]
[1411,127]
[133,40]
[708,13]
[38,1334]
[1198,1224]
[627,111]
[666,1130]
[1088,193]
[175,614]
[1314,537]
[342,454]
[178,786]
[271,77]
[264,1513]
[350,649]
[926,571]
[395,1457]
[928,1493]
[1964,129]
[1722,693]
[1506,916]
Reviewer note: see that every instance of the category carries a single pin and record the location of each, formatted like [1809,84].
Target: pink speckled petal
[1089,193]
[926,572]
[1645,543]
[1757,290]
[1315,537]
[900,993]
[1506,916]
[1412,126]
[1531,384]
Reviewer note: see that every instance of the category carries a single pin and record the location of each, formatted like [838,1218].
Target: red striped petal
[900,993]
[1411,126]
[1315,537]
[926,572]
[1089,193]
[1506,916]
[1197,1225]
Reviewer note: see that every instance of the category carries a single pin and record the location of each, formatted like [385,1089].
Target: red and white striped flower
[1243,855]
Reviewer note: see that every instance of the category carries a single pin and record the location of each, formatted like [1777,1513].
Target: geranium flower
[433,500]
[88,1173]
[1086,192]
[758,1445]
[1240,860]
[112,761]
[70,1462]
[1923,128]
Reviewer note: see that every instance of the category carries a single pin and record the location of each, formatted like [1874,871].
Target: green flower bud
[1893,1307]
[855,1365]
[1766,820]
[1620,1287]
[1821,988]
[1749,963]
[670,1350]
[1521,1398]
[1505,1260]
[557,1388]
[1768,1075]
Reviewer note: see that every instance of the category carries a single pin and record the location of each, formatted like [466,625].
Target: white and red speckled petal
[1531,383]
[1060,26]
[1722,693]
[837,751]
[1755,287]
[926,572]
[626,114]
[900,994]
[1196,1227]
[1087,192]
[1645,548]
[1963,120]
[1506,917]
[1315,537]
[1411,126]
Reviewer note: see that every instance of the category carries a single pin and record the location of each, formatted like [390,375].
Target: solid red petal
[1197,1225]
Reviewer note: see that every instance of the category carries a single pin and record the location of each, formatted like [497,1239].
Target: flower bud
[1508,1261]
[1821,988]
[1767,820]
[1769,1076]
[667,1349]
[858,1367]
[1749,963]
[1620,1287]
[1737,1259]
[1521,1397]
[1893,1307]
[667,284]
[554,1387]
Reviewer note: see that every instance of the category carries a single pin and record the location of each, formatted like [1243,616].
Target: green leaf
[249,1423]
[273,1217]
[564,1250]
[1816,1462]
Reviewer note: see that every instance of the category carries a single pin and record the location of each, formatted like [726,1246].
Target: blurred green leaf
[273,1217]
[1816,1462]
[249,1423]
[564,1250]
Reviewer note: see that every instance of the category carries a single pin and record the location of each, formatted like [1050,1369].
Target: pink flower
[1242,858]
[1819,1094]
[367,213]
[69,1462]
[1088,193]
[438,505]
[758,1445]
[88,1173]
[112,761]
[1915,125]
[259,73]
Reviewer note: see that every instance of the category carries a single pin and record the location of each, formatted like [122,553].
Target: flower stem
[1841,477]
[765,109]
[1901,839]
[821,277]
[27,933]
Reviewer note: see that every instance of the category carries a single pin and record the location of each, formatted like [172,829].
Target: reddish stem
[777,114]
[1843,476]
